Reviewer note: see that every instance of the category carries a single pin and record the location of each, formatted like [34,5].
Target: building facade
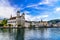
[19,20]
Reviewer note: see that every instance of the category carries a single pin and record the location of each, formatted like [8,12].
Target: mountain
[54,21]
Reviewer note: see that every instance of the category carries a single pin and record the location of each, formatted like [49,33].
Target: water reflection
[20,34]
[30,34]
[37,34]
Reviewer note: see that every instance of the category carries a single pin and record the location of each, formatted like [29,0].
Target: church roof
[18,11]
[13,18]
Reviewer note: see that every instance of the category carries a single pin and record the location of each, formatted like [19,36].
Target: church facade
[19,20]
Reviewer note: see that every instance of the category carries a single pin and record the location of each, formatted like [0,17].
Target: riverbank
[28,27]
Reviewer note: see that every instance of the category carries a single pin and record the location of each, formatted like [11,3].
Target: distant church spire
[11,16]
[41,20]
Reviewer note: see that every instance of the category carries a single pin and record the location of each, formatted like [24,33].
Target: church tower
[23,19]
[23,15]
[18,13]
[11,16]
[18,21]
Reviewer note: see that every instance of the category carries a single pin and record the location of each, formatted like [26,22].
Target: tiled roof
[13,18]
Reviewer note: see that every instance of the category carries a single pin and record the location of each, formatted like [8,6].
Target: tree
[9,25]
[30,24]
[4,21]
[1,24]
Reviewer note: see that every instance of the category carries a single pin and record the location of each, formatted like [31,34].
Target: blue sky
[34,10]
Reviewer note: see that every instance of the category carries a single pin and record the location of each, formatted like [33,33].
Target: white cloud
[49,2]
[30,17]
[6,9]
[57,9]
[35,18]
[46,2]
[26,12]
[33,5]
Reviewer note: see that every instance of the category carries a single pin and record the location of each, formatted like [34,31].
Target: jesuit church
[19,20]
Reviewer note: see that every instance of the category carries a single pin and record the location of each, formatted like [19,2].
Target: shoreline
[26,27]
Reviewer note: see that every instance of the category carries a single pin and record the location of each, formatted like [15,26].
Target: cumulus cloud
[33,5]
[48,2]
[6,9]
[35,18]
[26,12]
[57,9]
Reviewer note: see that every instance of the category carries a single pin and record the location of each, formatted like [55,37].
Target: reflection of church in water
[19,20]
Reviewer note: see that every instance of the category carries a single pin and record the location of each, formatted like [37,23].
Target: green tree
[9,25]
[1,24]
[30,24]
[4,21]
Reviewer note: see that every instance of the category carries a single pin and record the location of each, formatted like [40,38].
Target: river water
[30,34]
